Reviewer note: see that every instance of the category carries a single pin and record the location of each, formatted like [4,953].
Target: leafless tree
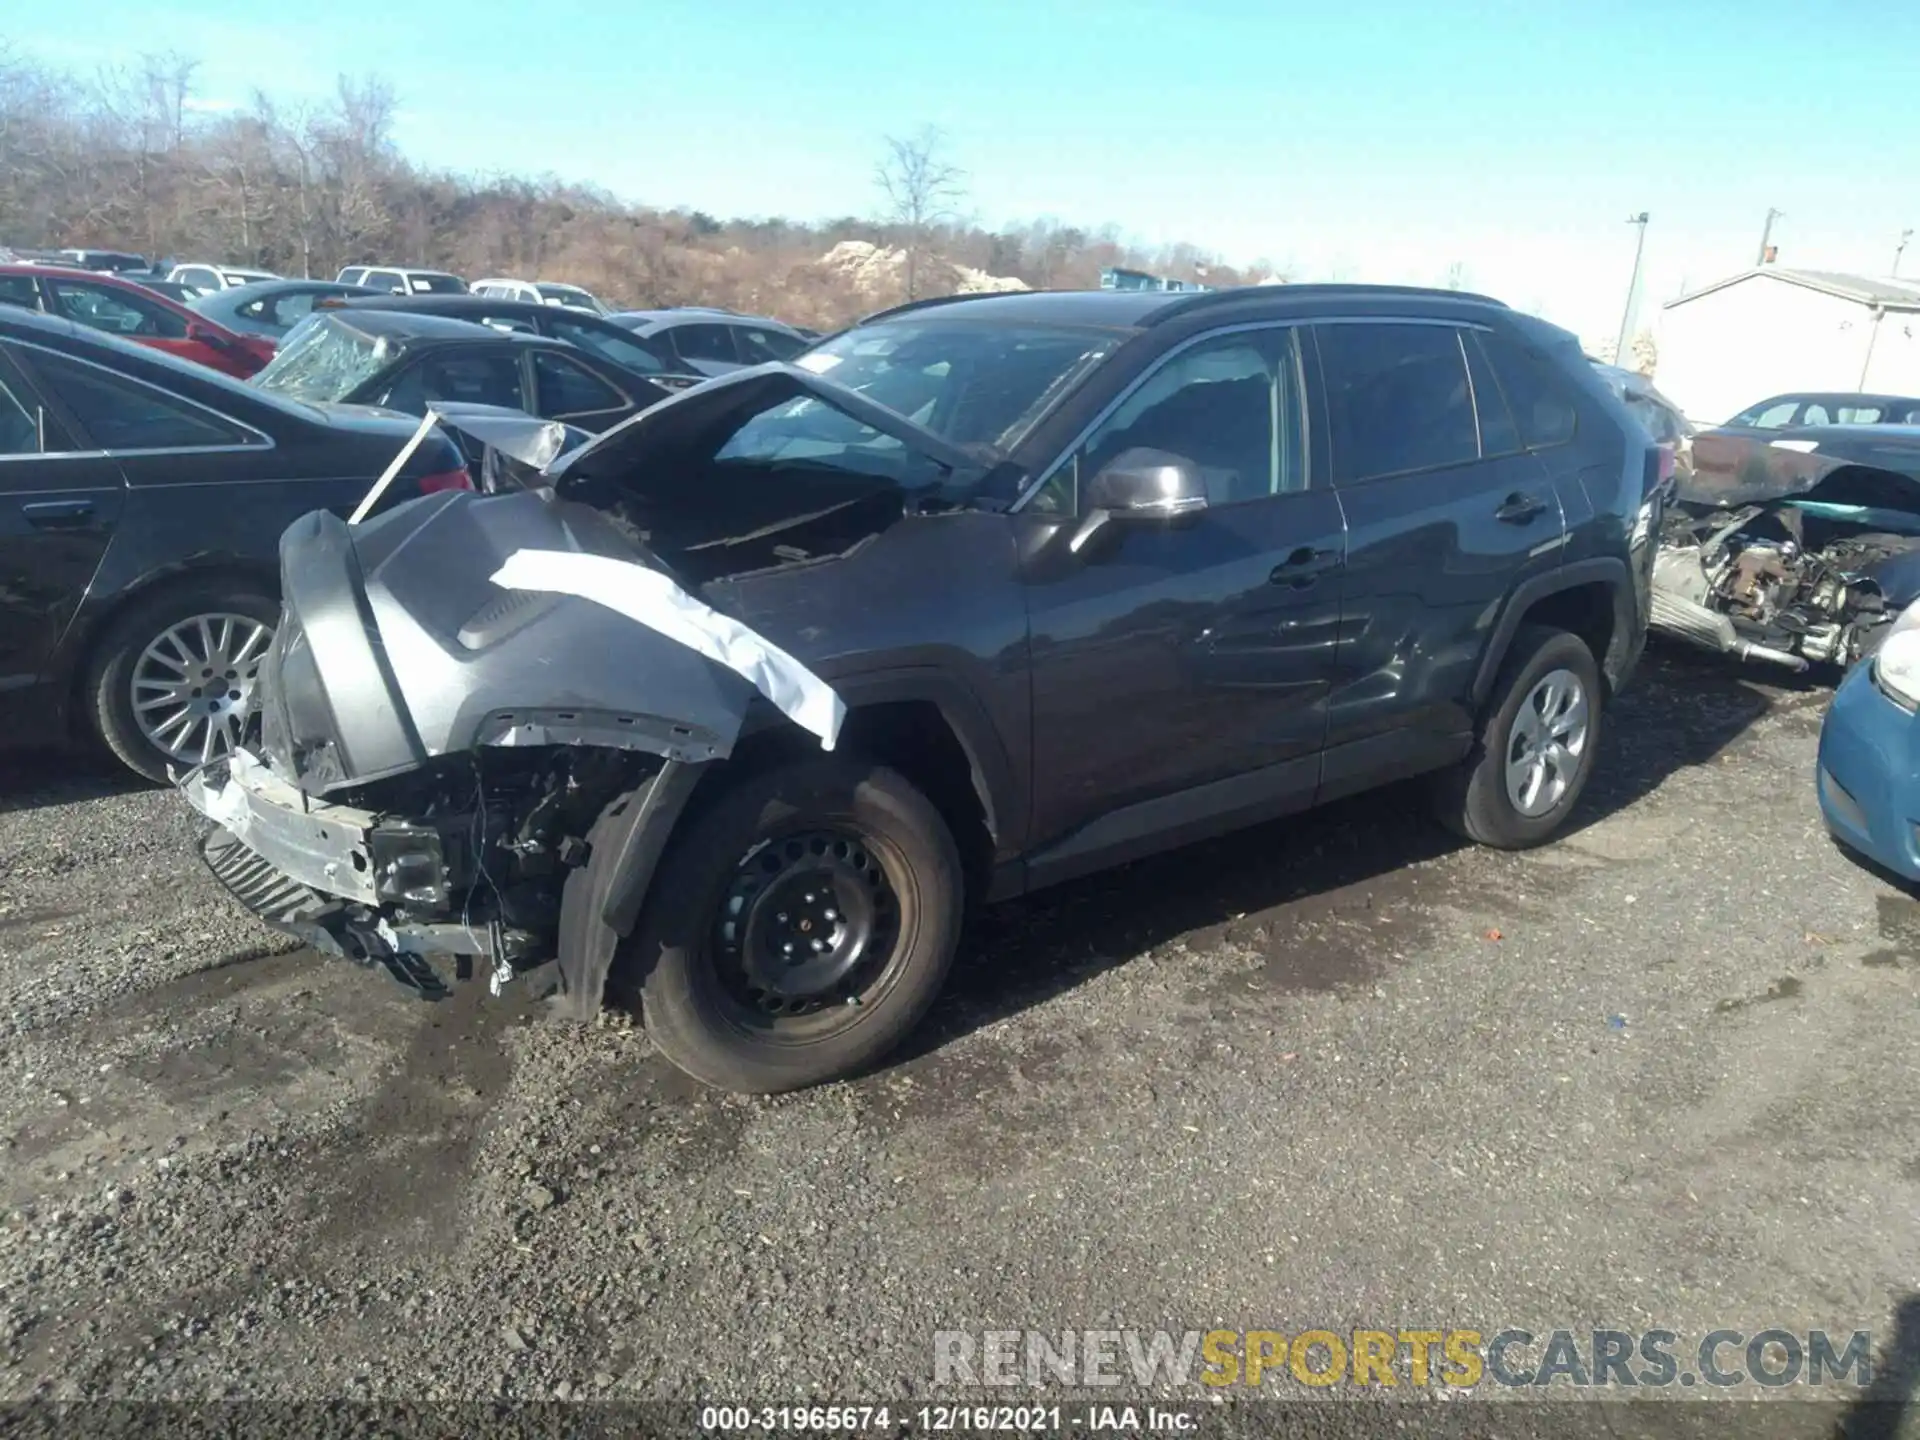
[921,190]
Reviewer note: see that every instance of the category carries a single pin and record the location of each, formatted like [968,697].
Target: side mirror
[206,336]
[1139,485]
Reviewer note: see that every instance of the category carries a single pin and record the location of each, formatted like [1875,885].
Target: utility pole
[1633,289]
[1898,251]
[1766,233]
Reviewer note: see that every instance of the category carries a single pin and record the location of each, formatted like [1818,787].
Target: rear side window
[759,346]
[1398,400]
[19,290]
[567,389]
[1859,415]
[1498,434]
[1537,395]
[121,414]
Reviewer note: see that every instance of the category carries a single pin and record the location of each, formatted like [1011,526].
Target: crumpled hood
[396,646]
[1731,469]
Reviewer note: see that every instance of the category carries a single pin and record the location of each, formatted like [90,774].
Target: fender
[1608,570]
[989,768]
[601,902]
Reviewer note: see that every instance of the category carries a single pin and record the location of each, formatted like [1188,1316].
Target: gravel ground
[1338,1072]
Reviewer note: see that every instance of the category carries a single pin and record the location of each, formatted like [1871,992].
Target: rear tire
[1536,748]
[204,724]
[798,929]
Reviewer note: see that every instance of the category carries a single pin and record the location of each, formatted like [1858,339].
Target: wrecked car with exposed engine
[1793,548]
[728,711]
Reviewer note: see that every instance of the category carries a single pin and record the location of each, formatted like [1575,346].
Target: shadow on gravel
[1328,894]
[1881,1413]
[33,779]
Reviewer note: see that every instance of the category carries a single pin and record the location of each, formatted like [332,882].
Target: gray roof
[1892,294]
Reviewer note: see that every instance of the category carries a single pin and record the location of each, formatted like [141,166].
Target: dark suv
[1054,581]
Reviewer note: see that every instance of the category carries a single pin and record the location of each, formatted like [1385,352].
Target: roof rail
[1209,299]
[931,300]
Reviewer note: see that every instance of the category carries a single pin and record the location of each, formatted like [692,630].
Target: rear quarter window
[1540,398]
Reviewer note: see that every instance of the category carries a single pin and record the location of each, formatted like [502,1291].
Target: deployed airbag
[651,599]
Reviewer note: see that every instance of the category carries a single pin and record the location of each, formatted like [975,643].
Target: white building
[1772,330]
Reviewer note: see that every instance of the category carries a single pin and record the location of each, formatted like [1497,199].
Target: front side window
[568,389]
[1768,415]
[386,280]
[1398,400]
[118,312]
[1231,406]
[122,414]
[432,284]
[469,378]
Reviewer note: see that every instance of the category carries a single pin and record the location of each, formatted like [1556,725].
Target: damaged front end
[1782,556]
[482,713]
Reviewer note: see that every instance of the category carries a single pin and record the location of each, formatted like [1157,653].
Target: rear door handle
[1304,566]
[1518,508]
[57,514]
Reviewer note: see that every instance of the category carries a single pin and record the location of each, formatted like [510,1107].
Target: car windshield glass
[974,384]
[323,359]
[566,295]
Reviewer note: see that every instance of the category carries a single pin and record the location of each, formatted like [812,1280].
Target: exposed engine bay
[1762,583]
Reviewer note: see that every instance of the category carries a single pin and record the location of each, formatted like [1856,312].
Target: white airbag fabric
[653,600]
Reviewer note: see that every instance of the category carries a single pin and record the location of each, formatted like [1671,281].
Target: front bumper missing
[317,871]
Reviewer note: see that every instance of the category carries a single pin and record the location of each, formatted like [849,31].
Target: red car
[120,307]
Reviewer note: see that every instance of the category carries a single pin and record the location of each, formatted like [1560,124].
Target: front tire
[798,929]
[171,678]
[1525,773]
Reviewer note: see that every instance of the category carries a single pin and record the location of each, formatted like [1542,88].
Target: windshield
[971,383]
[324,359]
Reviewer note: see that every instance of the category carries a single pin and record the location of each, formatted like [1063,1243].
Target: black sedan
[591,333]
[406,362]
[142,499]
[271,307]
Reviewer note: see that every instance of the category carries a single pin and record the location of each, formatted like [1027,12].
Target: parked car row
[135,312]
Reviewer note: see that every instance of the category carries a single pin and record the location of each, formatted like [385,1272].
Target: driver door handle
[1304,566]
[1519,507]
[57,514]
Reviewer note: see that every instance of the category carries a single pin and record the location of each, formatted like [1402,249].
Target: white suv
[540,292]
[208,278]
[402,281]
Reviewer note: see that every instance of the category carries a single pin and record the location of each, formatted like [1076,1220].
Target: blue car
[1869,778]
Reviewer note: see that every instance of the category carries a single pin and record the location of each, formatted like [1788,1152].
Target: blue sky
[1364,142]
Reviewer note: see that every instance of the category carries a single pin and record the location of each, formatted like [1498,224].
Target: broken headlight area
[1781,584]
[426,875]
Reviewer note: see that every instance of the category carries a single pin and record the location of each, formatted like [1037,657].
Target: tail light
[445,480]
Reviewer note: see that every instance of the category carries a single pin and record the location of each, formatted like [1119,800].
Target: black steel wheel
[798,927]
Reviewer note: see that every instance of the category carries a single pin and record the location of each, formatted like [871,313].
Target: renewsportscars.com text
[1454,1358]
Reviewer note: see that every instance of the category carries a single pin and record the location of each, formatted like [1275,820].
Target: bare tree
[921,190]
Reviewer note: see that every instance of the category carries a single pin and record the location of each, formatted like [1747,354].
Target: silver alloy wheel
[1545,743]
[190,686]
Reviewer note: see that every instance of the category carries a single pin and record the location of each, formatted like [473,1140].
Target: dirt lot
[1340,1072]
